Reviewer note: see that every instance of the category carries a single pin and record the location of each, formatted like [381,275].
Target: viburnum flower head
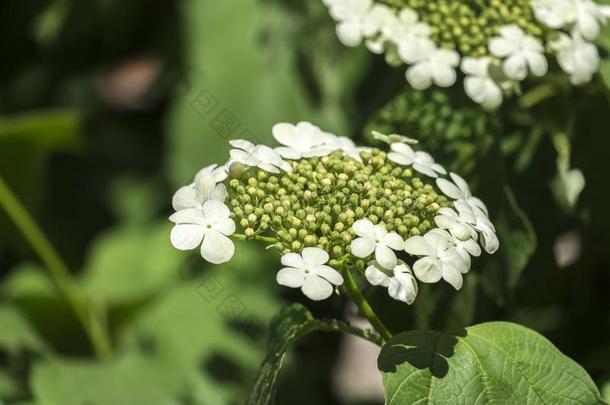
[332,208]
[520,38]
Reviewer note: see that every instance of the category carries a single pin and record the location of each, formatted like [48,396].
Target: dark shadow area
[223,369]
[421,349]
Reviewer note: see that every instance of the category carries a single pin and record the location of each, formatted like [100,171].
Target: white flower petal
[186,236]
[185,197]
[364,228]
[216,247]
[291,277]
[375,276]
[349,33]
[293,260]
[385,257]
[419,76]
[316,288]
[394,241]
[188,216]
[225,226]
[214,209]
[449,189]
[362,247]
[428,270]
[418,246]
[313,256]
[453,276]
[329,274]
[515,67]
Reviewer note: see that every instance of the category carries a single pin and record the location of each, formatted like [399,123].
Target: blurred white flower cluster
[319,196]
[568,28]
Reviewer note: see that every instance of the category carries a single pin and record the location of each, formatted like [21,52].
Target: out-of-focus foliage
[107,106]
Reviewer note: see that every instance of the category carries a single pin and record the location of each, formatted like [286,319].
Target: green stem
[334,325]
[561,141]
[363,306]
[58,270]
[268,239]
[537,95]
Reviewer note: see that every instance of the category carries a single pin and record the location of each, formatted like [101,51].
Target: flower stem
[268,239]
[537,95]
[334,325]
[58,270]
[363,306]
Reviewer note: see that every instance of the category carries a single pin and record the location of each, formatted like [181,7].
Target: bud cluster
[468,26]
[316,204]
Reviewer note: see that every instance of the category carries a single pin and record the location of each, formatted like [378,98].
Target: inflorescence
[329,206]
[496,43]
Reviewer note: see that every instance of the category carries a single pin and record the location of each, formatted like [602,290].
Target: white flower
[260,156]
[431,65]
[479,85]
[375,238]
[589,16]
[218,173]
[406,26]
[393,138]
[404,155]
[204,188]
[459,190]
[357,19]
[577,57]
[440,259]
[331,143]
[299,140]
[555,13]
[522,52]
[585,15]
[211,225]
[458,224]
[402,286]
[481,224]
[408,34]
[381,16]
[309,272]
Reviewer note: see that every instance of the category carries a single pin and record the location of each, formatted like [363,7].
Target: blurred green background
[107,107]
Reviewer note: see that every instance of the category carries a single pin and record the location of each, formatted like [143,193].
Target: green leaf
[130,264]
[16,333]
[219,103]
[217,319]
[291,324]
[495,362]
[127,381]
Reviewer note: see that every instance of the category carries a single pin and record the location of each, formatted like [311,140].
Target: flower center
[317,203]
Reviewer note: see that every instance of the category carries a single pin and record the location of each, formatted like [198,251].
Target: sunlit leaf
[492,362]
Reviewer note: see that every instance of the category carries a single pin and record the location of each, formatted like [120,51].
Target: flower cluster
[496,45]
[330,206]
